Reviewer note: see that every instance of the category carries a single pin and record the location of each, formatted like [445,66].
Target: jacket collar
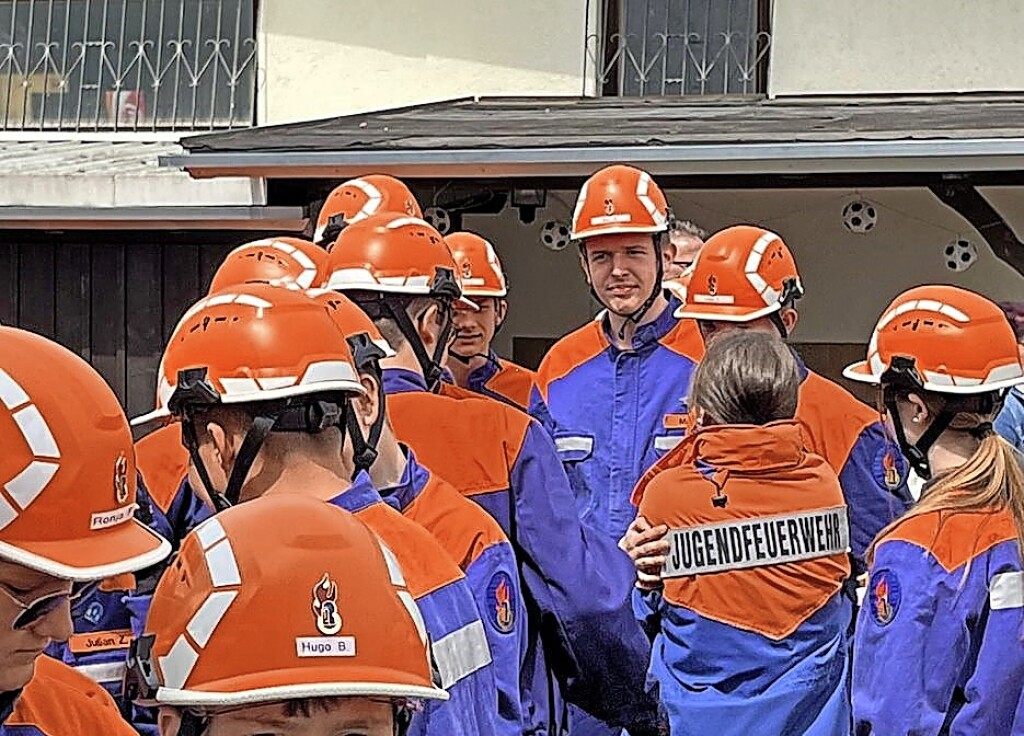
[650,333]
[748,448]
[402,380]
[479,377]
[360,495]
[410,486]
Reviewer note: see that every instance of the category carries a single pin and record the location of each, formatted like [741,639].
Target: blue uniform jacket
[457,634]
[751,625]
[482,551]
[577,582]
[938,647]
[502,380]
[614,413]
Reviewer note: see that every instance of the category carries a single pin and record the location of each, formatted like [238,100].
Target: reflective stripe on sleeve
[103,674]
[574,444]
[757,542]
[461,653]
[1006,591]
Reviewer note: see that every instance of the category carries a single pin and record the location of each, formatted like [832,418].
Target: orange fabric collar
[749,448]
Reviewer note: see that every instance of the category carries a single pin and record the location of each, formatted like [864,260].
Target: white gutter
[861,156]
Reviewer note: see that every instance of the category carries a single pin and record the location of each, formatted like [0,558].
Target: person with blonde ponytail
[939,645]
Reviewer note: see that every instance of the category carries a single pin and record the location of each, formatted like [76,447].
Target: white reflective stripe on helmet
[178,663]
[27,484]
[373,199]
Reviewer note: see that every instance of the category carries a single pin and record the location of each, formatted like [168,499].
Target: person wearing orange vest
[577,584]
[472,361]
[287,616]
[938,641]
[263,383]
[66,522]
[612,394]
[359,198]
[752,619]
[746,278]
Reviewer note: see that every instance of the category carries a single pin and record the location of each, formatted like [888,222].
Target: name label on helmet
[610,219]
[107,519]
[325,646]
[747,543]
[714,299]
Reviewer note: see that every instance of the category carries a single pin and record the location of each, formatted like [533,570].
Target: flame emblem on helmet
[121,479]
[325,606]
[712,285]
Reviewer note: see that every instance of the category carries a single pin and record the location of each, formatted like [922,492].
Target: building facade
[126,72]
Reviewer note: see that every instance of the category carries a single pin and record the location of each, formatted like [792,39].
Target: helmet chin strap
[429,364]
[917,452]
[311,416]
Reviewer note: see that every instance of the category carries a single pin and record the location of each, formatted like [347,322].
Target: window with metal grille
[127,65]
[681,47]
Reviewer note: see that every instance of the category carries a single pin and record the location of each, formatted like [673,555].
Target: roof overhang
[838,157]
[282,219]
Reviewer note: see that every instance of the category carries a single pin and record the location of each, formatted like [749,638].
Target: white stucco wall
[849,278]
[320,58]
[882,46]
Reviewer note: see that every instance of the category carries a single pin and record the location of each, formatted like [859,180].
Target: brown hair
[746,377]
[992,479]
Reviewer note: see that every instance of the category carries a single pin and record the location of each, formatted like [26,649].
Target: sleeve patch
[884,596]
[501,611]
[889,468]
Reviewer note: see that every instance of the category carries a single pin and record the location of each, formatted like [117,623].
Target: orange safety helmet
[368,347]
[743,273]
[352,321]
[394,254]
[619,199]
[945,340]
[68,467]
[479,267]
[255,344]
[282,598]
[360,198]
[276,261]
[391,258]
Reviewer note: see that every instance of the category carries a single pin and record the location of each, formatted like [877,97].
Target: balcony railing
[681,47]
[127,65]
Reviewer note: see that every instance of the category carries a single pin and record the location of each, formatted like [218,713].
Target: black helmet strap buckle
[902,377]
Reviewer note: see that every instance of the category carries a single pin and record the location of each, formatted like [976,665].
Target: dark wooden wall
[112,297]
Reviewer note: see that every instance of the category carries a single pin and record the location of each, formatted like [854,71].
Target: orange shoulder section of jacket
[445,434]
[163,462]
[573,350]
[774,599]
[514,383]
[955,537]
[61,702]
[685,339]
[832,417]
[462,527]
[426,564]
